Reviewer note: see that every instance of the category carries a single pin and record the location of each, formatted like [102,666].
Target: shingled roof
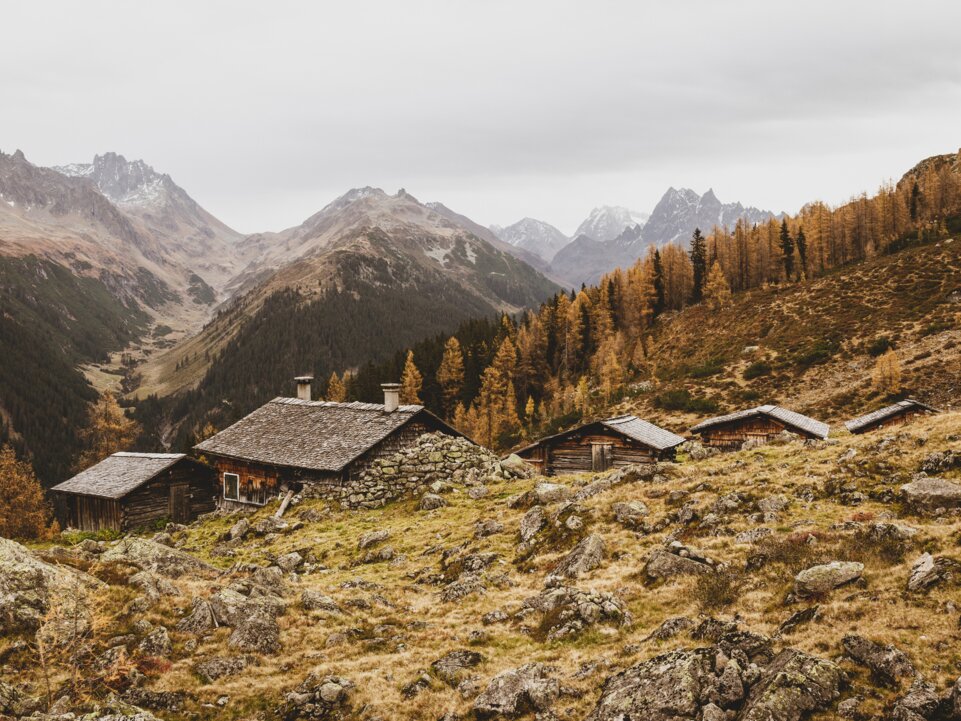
[631,426]
[315,435]
[789,418]
[117,475]
[856,424]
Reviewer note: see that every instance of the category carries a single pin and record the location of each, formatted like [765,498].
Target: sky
[264,112]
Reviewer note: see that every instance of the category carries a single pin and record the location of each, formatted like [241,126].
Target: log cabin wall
[152,501]
[574,453]
[899,419]
[731,436]
[91,513]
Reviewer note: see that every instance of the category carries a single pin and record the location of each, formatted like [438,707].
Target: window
[231,486]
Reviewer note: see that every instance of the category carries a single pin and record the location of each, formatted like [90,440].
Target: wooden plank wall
[898,419]
[573,454]
[731,436]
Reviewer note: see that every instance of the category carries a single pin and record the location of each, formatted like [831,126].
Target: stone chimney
[391,396]
[303,387]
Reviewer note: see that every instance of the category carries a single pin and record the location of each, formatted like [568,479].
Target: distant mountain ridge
[607,222]
[535,236]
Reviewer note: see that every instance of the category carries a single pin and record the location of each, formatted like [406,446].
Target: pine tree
[24,512]
[717,292]
[336,390]
[450,375]
[108,430]
[787,250]
[410,382]
[659,295]
[886,377]
[698,255]
[802,251]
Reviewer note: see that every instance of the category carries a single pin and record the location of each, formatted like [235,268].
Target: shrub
[682,400]
[707,369]
[756,370]
[719,590]
[879,346]
[819,352]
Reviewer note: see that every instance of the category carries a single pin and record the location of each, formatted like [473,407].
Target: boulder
[257,633]
[316,601]
[201,620]
[883,531]
[920,703]
[153,586]
[453,667]
[546,493]
[431,501]
[928,571]
[630,513]
[753,535]
[532,523]
[156,643]
[238,530]
[289,562]
[516,467]
[372,538]
[270,524]
[926,494]
[585,556]
[490,527]
[823,578]
[675,560]
[670,628]
[568,611]
[517,691]
[792,686]
[217,667]
[318,698]
[887,663]
[149,556]
[32,590]
[773,504]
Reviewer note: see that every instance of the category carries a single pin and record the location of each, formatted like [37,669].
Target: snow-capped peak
[533,235]
[126,183]
[606,222]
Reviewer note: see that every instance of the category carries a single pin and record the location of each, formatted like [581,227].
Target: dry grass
[407,625]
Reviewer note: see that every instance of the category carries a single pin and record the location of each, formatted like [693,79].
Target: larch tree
[717,291]
[108,431]
[24,512]
[411,381]
[336,390]
[886,376]
[450,375]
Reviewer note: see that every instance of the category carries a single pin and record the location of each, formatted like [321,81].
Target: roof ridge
[350,405]
[146,454]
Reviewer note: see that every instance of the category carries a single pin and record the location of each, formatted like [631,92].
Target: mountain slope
[536,236]
[366,275]
[679,212]
[188,233]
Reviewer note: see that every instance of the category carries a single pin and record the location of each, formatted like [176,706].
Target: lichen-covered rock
[583,558]
[546,493]
[431,501]
[312,600]
[929,571]
[32,590]
[240,529]
[676,560]
[454,666]
[630,513]
[318,698]
[920,703]
[489,527]
[372,538]
[926,494]
[792,686]
[257,633]
[531,524]
[826,577]
[670,628]
[217,667]
[290,562]
[526,689]
[568,611]
[156,643]
[201,619]
[153,586]
[149,556]
[887,663]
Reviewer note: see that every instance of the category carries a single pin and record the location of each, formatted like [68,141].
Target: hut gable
[314,435]
[600,445]
[790,420]
[892,414]
[118,475]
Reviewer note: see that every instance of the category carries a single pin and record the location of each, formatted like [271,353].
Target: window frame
[237,477]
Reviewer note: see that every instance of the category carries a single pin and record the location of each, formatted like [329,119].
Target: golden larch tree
[717,292]
[24,512]
[108,431]
[336,390]
[450,375]
[887,373]
[410,381]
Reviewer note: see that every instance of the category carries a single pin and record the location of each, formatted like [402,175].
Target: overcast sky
[266,111]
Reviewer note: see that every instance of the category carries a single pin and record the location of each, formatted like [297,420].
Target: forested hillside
[796,310]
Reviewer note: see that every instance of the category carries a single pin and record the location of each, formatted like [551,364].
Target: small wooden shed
[132,490]
[598,446]
[894,415]
[763,423]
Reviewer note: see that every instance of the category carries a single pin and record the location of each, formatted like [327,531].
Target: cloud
[265,112]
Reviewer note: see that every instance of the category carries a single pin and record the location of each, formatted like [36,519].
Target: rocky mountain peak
[124,182]
[606,222]
[535,236]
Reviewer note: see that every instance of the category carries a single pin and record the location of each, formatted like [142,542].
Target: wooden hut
[601,445]
[729,432]
[133,490]
[894,415]
[320,446]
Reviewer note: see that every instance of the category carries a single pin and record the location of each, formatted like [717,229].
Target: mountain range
[613,236]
